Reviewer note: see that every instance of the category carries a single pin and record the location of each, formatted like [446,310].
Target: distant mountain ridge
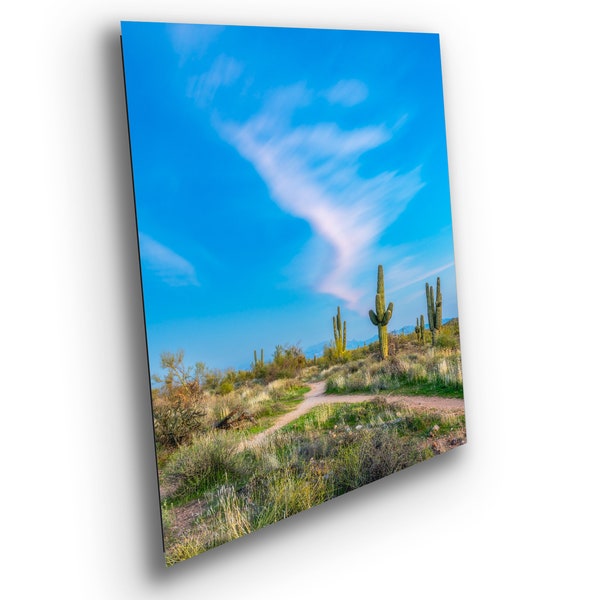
[317,349]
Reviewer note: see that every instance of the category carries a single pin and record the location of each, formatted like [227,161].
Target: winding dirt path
[317,396]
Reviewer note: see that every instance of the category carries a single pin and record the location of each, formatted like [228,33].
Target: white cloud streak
[172,269]
[347,92]
[410,277]
[312,173]
[223,72]
[190,40]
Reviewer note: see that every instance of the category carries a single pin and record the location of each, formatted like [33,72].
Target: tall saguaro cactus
[381,317]
[434,310]
[260,363]
[339,334]
[420,329]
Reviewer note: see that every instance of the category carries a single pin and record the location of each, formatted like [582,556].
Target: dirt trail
[317,396]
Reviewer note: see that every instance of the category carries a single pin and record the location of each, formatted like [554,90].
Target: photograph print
[297,263]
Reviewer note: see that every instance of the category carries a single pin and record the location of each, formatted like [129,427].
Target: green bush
[288,362]
[225,387]
[447,339]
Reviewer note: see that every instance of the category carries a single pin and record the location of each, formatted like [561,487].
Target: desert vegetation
[382,315]
[240,449]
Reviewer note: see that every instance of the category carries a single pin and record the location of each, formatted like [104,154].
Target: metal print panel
[296,251]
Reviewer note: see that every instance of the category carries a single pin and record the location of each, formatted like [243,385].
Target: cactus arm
[430,306]
[438,306]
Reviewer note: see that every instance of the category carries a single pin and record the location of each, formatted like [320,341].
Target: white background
[512,514]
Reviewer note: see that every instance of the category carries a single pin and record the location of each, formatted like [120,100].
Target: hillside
[317,349]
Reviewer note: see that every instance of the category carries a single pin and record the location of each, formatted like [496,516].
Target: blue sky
[274,169]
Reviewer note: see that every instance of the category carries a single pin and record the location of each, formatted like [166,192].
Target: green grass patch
[426,423]
[390,384]
[327,416]
[378,413]
[423,388]
[270,412]
[282,404]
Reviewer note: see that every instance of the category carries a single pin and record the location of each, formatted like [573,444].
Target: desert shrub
[177,420]
[329,354]
[447,339]
[245,406]
[225,387]
[394,344]
[288,362]
[286,492]
[259,371]
[231,412]
[207,461]
[371,455]
[335,383]
[179,382]
[363,351]
[223,382]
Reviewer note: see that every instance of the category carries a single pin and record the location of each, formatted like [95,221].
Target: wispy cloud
[404,277]
[224,71]
[312,172]
[347,92]
[192,39]
[172,269]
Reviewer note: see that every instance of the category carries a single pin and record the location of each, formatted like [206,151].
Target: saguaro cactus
[381,317]
[434,310]
[420,329]
[260,363]
[339,334]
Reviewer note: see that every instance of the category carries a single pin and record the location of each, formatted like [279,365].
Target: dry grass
[335,449]
[430,371]
[330,450]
